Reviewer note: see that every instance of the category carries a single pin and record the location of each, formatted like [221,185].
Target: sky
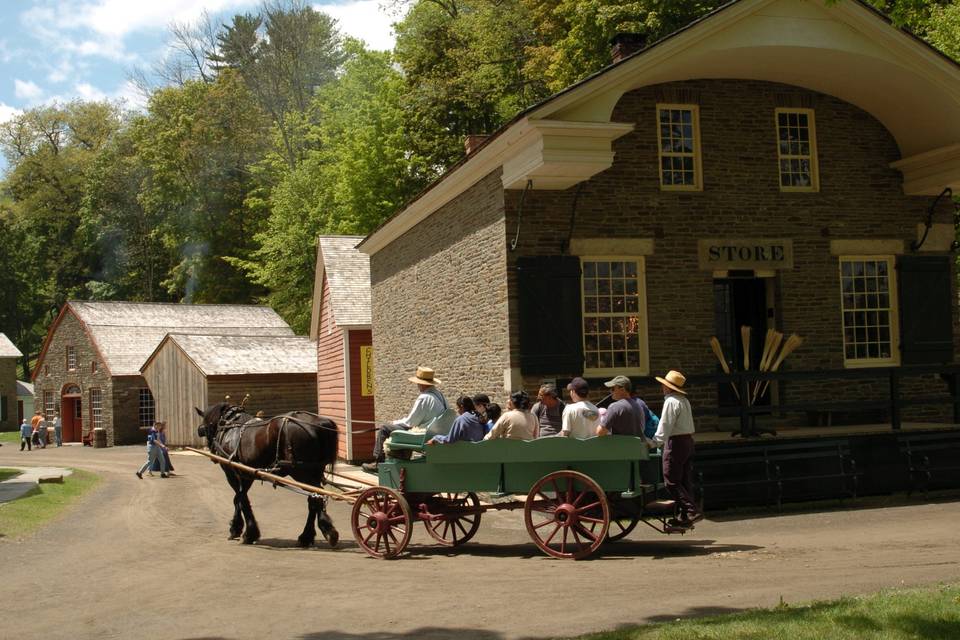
[60,50]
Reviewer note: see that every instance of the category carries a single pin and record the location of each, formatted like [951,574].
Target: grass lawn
[10,437]
[923,614]
[24,515]
[6,474]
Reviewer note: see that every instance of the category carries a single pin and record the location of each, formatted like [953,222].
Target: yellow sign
[366,371]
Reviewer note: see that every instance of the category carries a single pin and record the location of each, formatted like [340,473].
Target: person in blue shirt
[26,432]
[468,426]
[493,414]
[155,449]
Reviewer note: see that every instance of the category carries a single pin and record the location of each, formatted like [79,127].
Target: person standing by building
[42,432]
[25,434]
[580,417]
[35,427]
[549,410]
[675,435]
[57,429]
[155,449]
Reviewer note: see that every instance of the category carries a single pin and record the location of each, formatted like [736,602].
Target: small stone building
[340,325]
[89,365]
[186,371]
[776,164]
[8,384]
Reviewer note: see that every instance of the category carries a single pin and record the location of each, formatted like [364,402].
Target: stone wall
[860,197]
[438,300]
[8,390]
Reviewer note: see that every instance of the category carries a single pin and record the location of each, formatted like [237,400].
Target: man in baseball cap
[623,417]
[580,417]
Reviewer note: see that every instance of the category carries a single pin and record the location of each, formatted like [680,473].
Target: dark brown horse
[296,444]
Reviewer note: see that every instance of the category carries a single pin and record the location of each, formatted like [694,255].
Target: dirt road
[150,559]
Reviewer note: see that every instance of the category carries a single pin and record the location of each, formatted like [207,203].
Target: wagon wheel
[573,522]
[459,518]
[381,522]
[621,528]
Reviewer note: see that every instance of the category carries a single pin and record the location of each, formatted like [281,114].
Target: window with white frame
[614,315]
[147,408]
[49,404]
[96,409]
[678,135]
[71,358]
[797,150]
[869,306]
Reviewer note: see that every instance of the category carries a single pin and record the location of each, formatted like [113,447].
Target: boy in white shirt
[580,417]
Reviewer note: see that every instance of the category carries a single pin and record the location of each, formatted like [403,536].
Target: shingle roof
[7,349]
[348,274]
[126,333]
[24,388]
[219,355]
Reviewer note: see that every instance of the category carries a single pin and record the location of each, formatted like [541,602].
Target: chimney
[473,142]
[623,45]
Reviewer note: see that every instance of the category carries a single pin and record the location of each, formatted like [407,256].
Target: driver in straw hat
[428,405]
[675,435]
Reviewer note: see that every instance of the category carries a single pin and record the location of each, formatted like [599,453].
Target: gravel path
[150,559]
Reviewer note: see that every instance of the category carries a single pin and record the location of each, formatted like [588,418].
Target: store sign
[366,371]
[745,253]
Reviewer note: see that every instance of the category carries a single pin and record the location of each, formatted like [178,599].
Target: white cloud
[7,112]
[117,18]
[27,90]
[364,19]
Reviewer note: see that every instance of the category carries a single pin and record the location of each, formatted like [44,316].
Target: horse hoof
[333,539]
[304,543]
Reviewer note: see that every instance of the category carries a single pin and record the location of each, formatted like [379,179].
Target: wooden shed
[341,327]
[186,371]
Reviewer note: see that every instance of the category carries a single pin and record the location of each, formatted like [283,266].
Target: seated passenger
[468,426]
[549,410]
[481,401]
[493,414]
[517,423]
[624,417]
[580,417]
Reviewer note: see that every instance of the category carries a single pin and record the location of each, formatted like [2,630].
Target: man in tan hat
[428,405]
[675,435]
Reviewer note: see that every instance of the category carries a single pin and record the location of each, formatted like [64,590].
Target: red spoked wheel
[381,522]
[620,528]
[567,514]
[452,518]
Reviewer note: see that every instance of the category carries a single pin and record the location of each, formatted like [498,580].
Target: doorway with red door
[71,413]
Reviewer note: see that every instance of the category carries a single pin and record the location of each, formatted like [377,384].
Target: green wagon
[575,494]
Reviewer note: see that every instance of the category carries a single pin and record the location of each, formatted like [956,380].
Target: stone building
[776,164]
[340,325]
[8,384]
[89,366]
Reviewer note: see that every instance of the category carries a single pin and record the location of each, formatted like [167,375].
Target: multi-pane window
[49,404]
[869,305]
[96,409]
[71,358]
[797,150]
[678,134]
[147,408]
[614,315]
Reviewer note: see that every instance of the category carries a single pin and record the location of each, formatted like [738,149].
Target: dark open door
[551,329]
[926,309]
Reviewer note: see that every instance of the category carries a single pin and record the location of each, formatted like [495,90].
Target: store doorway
[71,414]
[738,302]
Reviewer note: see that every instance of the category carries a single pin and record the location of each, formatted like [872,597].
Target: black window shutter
[551,330]
[926,312]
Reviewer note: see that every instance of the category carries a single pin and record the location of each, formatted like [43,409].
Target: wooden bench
[929,453]
[776,464]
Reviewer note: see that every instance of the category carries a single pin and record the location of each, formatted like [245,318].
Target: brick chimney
[625,44]
[472,142]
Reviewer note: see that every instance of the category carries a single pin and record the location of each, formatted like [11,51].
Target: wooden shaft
[264,475]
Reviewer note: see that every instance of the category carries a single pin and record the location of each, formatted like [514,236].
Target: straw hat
[424,375]
[675,380]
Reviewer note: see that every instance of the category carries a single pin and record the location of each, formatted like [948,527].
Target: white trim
[814,186]
[894,310]
[347,405]
[928,173]
[696,154]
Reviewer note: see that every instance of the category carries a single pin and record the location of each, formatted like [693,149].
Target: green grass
[10,437]
[26,514]
[916,614]
[6,474]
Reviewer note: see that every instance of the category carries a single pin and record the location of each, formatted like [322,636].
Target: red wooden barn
[341,327]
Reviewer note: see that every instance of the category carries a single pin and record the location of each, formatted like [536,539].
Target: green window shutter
[551,323]
[926,312]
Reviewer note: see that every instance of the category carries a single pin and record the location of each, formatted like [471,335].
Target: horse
[298,444]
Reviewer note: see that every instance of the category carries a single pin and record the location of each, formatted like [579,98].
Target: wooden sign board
[745,253]
[366,371]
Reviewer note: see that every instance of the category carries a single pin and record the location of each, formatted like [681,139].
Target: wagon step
[660,507]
